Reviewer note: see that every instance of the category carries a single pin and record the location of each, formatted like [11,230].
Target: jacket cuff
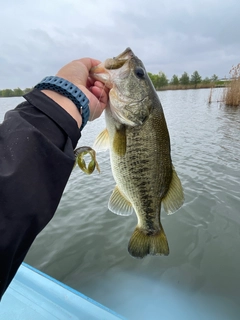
[61,117]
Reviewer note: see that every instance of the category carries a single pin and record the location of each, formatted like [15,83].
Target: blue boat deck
[33,295]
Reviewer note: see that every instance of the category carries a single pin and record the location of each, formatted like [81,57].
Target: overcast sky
[39,37]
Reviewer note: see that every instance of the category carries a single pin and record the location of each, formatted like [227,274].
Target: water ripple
[85,245]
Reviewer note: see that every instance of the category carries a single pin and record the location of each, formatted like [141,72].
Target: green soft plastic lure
[79,159]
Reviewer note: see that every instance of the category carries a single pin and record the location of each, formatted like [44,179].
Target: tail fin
[142,244]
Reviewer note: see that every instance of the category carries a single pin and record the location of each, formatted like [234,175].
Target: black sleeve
[36,159]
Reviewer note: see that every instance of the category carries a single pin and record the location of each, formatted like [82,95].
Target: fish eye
[140,73]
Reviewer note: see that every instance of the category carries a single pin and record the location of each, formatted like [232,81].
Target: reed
[210,96]
[231,94]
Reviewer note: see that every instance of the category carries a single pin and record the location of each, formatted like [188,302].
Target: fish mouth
[119,61]
[104,72]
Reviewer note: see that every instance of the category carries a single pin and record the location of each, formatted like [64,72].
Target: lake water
[85,245]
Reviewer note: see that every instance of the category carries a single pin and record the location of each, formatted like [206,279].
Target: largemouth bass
[139,143]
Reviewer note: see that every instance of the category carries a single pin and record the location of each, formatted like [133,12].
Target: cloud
[38,38]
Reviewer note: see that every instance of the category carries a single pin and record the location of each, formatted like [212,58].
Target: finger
[102,86]
[100,93]
[89,62]
[90,82]
[96,108]
[99,84]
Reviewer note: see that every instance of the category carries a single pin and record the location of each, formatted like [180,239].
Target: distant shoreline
[191,86]
[11,94]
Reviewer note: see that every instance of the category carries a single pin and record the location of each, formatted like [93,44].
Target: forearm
[66,104]
[36,159]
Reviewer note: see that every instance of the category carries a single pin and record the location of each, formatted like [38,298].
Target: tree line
[14,92]
[160,80]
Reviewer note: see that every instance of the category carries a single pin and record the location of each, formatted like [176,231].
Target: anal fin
[175,197]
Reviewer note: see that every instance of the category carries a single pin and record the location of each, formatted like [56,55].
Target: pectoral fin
[175,197]
[102,141]
[119,204]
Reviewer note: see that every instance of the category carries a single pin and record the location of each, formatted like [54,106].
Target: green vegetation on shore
[14,92]
[195,81]
[231,95]
[160,82]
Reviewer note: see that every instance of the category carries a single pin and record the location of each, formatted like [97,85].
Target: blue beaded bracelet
[70,91]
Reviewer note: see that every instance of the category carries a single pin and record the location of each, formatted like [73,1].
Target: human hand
[77,72]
